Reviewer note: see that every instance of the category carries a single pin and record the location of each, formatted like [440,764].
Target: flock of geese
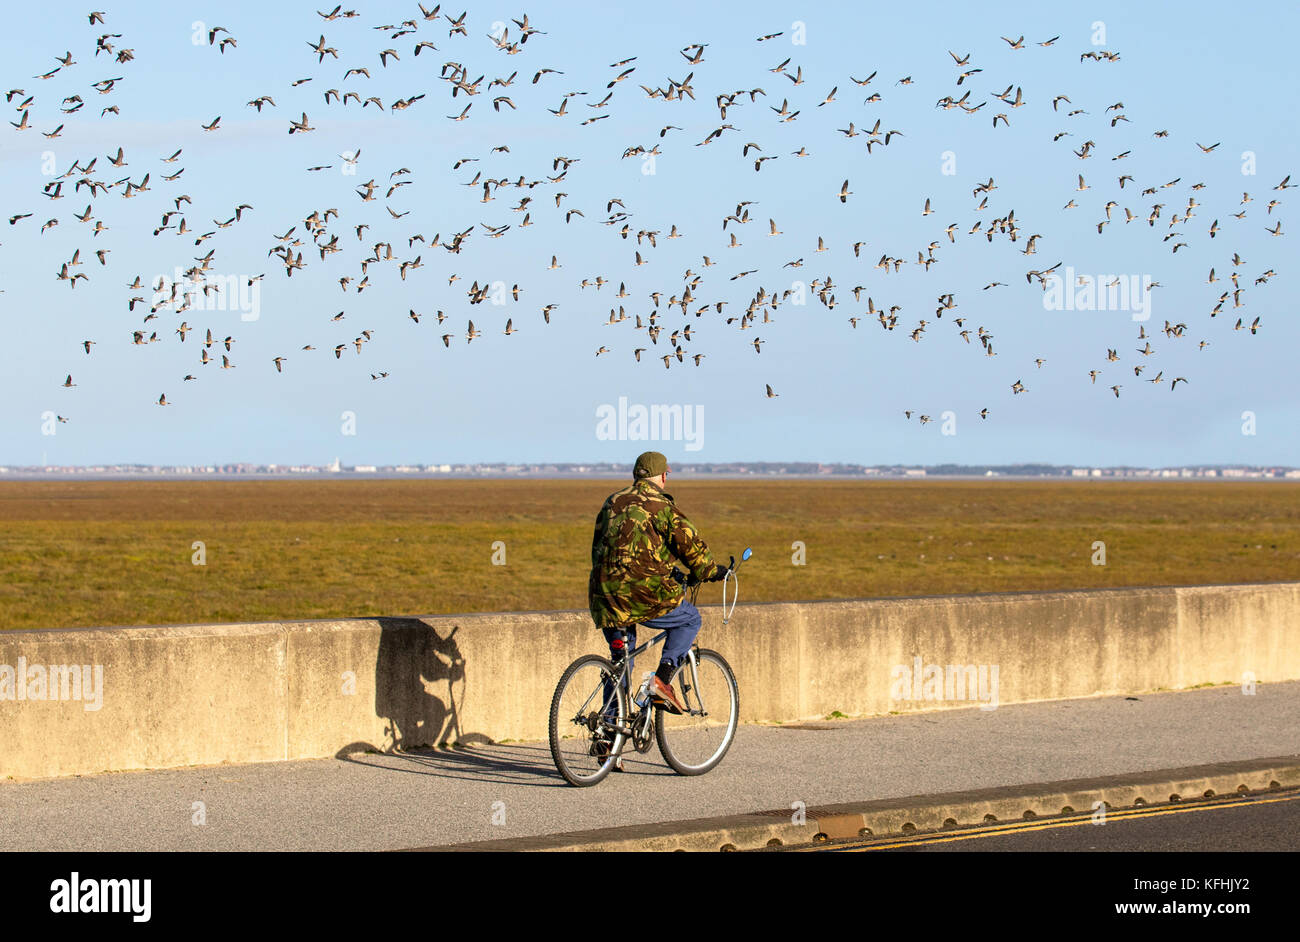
[1167,208]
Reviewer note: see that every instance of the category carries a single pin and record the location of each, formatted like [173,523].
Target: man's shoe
[663,695]
[600,749]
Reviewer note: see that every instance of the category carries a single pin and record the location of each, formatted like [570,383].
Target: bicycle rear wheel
[587,712]
[695,742]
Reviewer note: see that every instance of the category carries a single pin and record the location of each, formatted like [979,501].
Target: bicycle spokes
[694,742]
[588,720]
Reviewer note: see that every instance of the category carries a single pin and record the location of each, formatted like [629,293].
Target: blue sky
[534,395]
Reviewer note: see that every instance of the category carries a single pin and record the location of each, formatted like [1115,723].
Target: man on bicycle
[638,531]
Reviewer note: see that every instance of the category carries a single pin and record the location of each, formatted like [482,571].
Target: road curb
[896,816]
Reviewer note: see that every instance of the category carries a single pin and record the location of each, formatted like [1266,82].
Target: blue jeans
[682,624]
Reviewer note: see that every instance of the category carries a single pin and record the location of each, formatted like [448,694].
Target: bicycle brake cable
[726,614]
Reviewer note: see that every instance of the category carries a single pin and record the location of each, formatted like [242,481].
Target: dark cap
[649,464]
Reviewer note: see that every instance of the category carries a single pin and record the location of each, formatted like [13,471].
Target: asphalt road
[373,802]
[1264,822]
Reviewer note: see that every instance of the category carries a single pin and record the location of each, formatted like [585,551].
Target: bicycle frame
[640,712]
[624,679]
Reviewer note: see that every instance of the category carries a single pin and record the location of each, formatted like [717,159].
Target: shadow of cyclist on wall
[420,686]
[420,689]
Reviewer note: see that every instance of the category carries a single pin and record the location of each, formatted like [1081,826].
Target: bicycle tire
[697,748]
[573,715]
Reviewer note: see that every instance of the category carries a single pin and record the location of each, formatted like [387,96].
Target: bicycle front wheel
[588,712]
[695,742]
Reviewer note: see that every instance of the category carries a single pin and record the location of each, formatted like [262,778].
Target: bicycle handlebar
[728,575]
[689,580]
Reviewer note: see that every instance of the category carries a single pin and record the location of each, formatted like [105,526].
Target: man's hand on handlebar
[688,579]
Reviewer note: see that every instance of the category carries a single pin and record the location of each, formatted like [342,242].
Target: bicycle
[594,716]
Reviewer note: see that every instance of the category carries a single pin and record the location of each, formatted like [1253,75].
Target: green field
[80,553]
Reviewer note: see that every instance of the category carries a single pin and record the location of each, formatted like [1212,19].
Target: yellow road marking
[1084,818]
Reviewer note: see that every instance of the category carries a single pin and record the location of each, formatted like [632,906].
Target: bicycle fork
[693,686]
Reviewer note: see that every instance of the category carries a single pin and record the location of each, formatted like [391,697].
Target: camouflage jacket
[638,531]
